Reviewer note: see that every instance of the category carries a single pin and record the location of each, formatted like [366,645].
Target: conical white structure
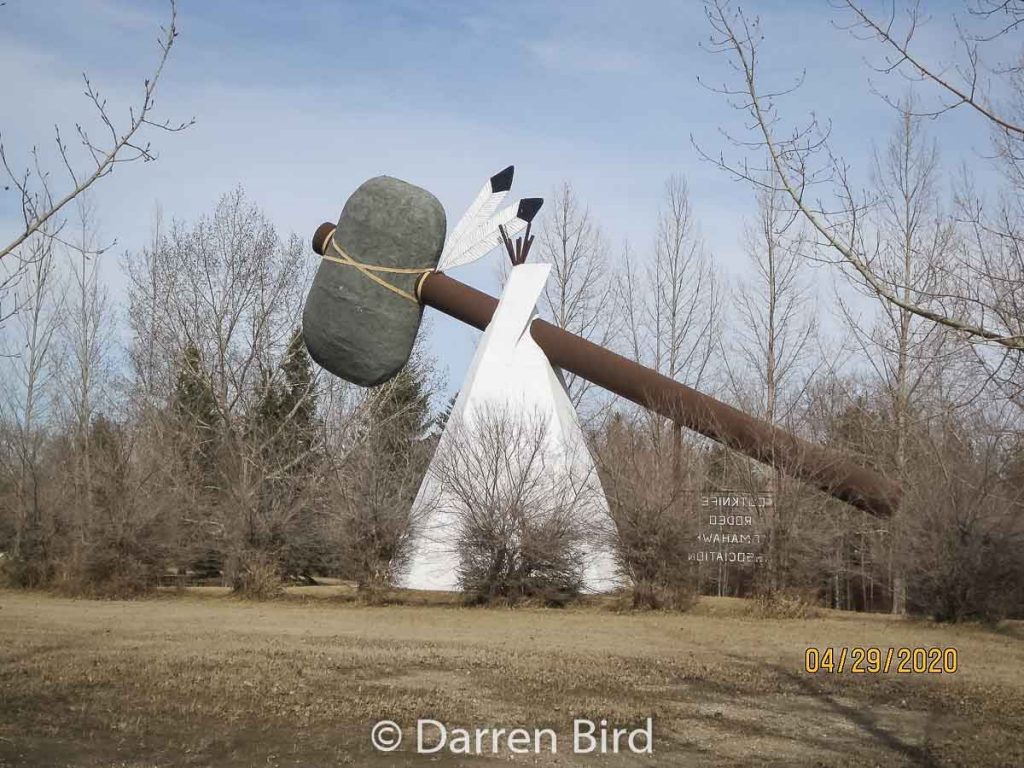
[511,374]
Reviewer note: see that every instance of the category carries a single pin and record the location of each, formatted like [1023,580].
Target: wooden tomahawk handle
[828,470]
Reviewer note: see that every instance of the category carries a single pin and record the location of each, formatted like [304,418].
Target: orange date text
[872,660]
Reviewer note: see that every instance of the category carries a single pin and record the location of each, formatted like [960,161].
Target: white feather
[483,206]
[481,242]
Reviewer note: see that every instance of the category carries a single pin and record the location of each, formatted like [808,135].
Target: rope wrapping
[369,269]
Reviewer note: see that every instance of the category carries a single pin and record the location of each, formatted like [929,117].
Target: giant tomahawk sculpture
[379,270]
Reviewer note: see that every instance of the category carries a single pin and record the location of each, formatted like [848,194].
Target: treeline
[202,445]
[215,452]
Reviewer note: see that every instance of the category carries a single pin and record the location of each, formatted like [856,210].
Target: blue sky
[301,101]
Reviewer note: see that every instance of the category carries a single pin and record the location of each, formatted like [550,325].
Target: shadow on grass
[864,721]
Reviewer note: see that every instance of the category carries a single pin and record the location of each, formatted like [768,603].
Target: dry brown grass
[203,678]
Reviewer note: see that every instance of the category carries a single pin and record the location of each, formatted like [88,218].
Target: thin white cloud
[587,57]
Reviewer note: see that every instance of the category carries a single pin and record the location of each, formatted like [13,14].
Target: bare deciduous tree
[27,407]
[218,303]
[767,370]
[672,304]
[916,241]
[684,307]
[980,301]
[125,141]
[576,296]
[86,337]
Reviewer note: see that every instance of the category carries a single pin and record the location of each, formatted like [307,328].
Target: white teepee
[511,373]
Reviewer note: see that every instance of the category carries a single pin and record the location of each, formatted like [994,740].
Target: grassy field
[202,678]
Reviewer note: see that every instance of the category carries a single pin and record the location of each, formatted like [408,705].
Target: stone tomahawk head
[355,327]
[362,312]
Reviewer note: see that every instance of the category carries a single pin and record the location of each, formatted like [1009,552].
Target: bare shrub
[255,574]
[785,605]
[645,477]
[965,528]
[118,567]
[370,522]
[122,546]
[520,504]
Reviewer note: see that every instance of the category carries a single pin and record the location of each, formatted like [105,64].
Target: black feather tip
[502,180]
[528,208]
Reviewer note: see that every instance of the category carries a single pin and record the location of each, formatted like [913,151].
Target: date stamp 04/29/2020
[870,660]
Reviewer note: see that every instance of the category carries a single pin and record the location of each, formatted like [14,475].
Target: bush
[25,572]
[965,531]
[117,568]
[967,572]
[520,510]
[653,515]
[782,605]
[541,560]
[255,575]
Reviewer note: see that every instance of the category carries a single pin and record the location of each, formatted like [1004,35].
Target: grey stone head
[355,327]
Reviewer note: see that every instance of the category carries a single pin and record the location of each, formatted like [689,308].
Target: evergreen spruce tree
[285,414]
[442,418]
[195,408]
[299,396]
[399,413]
[283,428]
